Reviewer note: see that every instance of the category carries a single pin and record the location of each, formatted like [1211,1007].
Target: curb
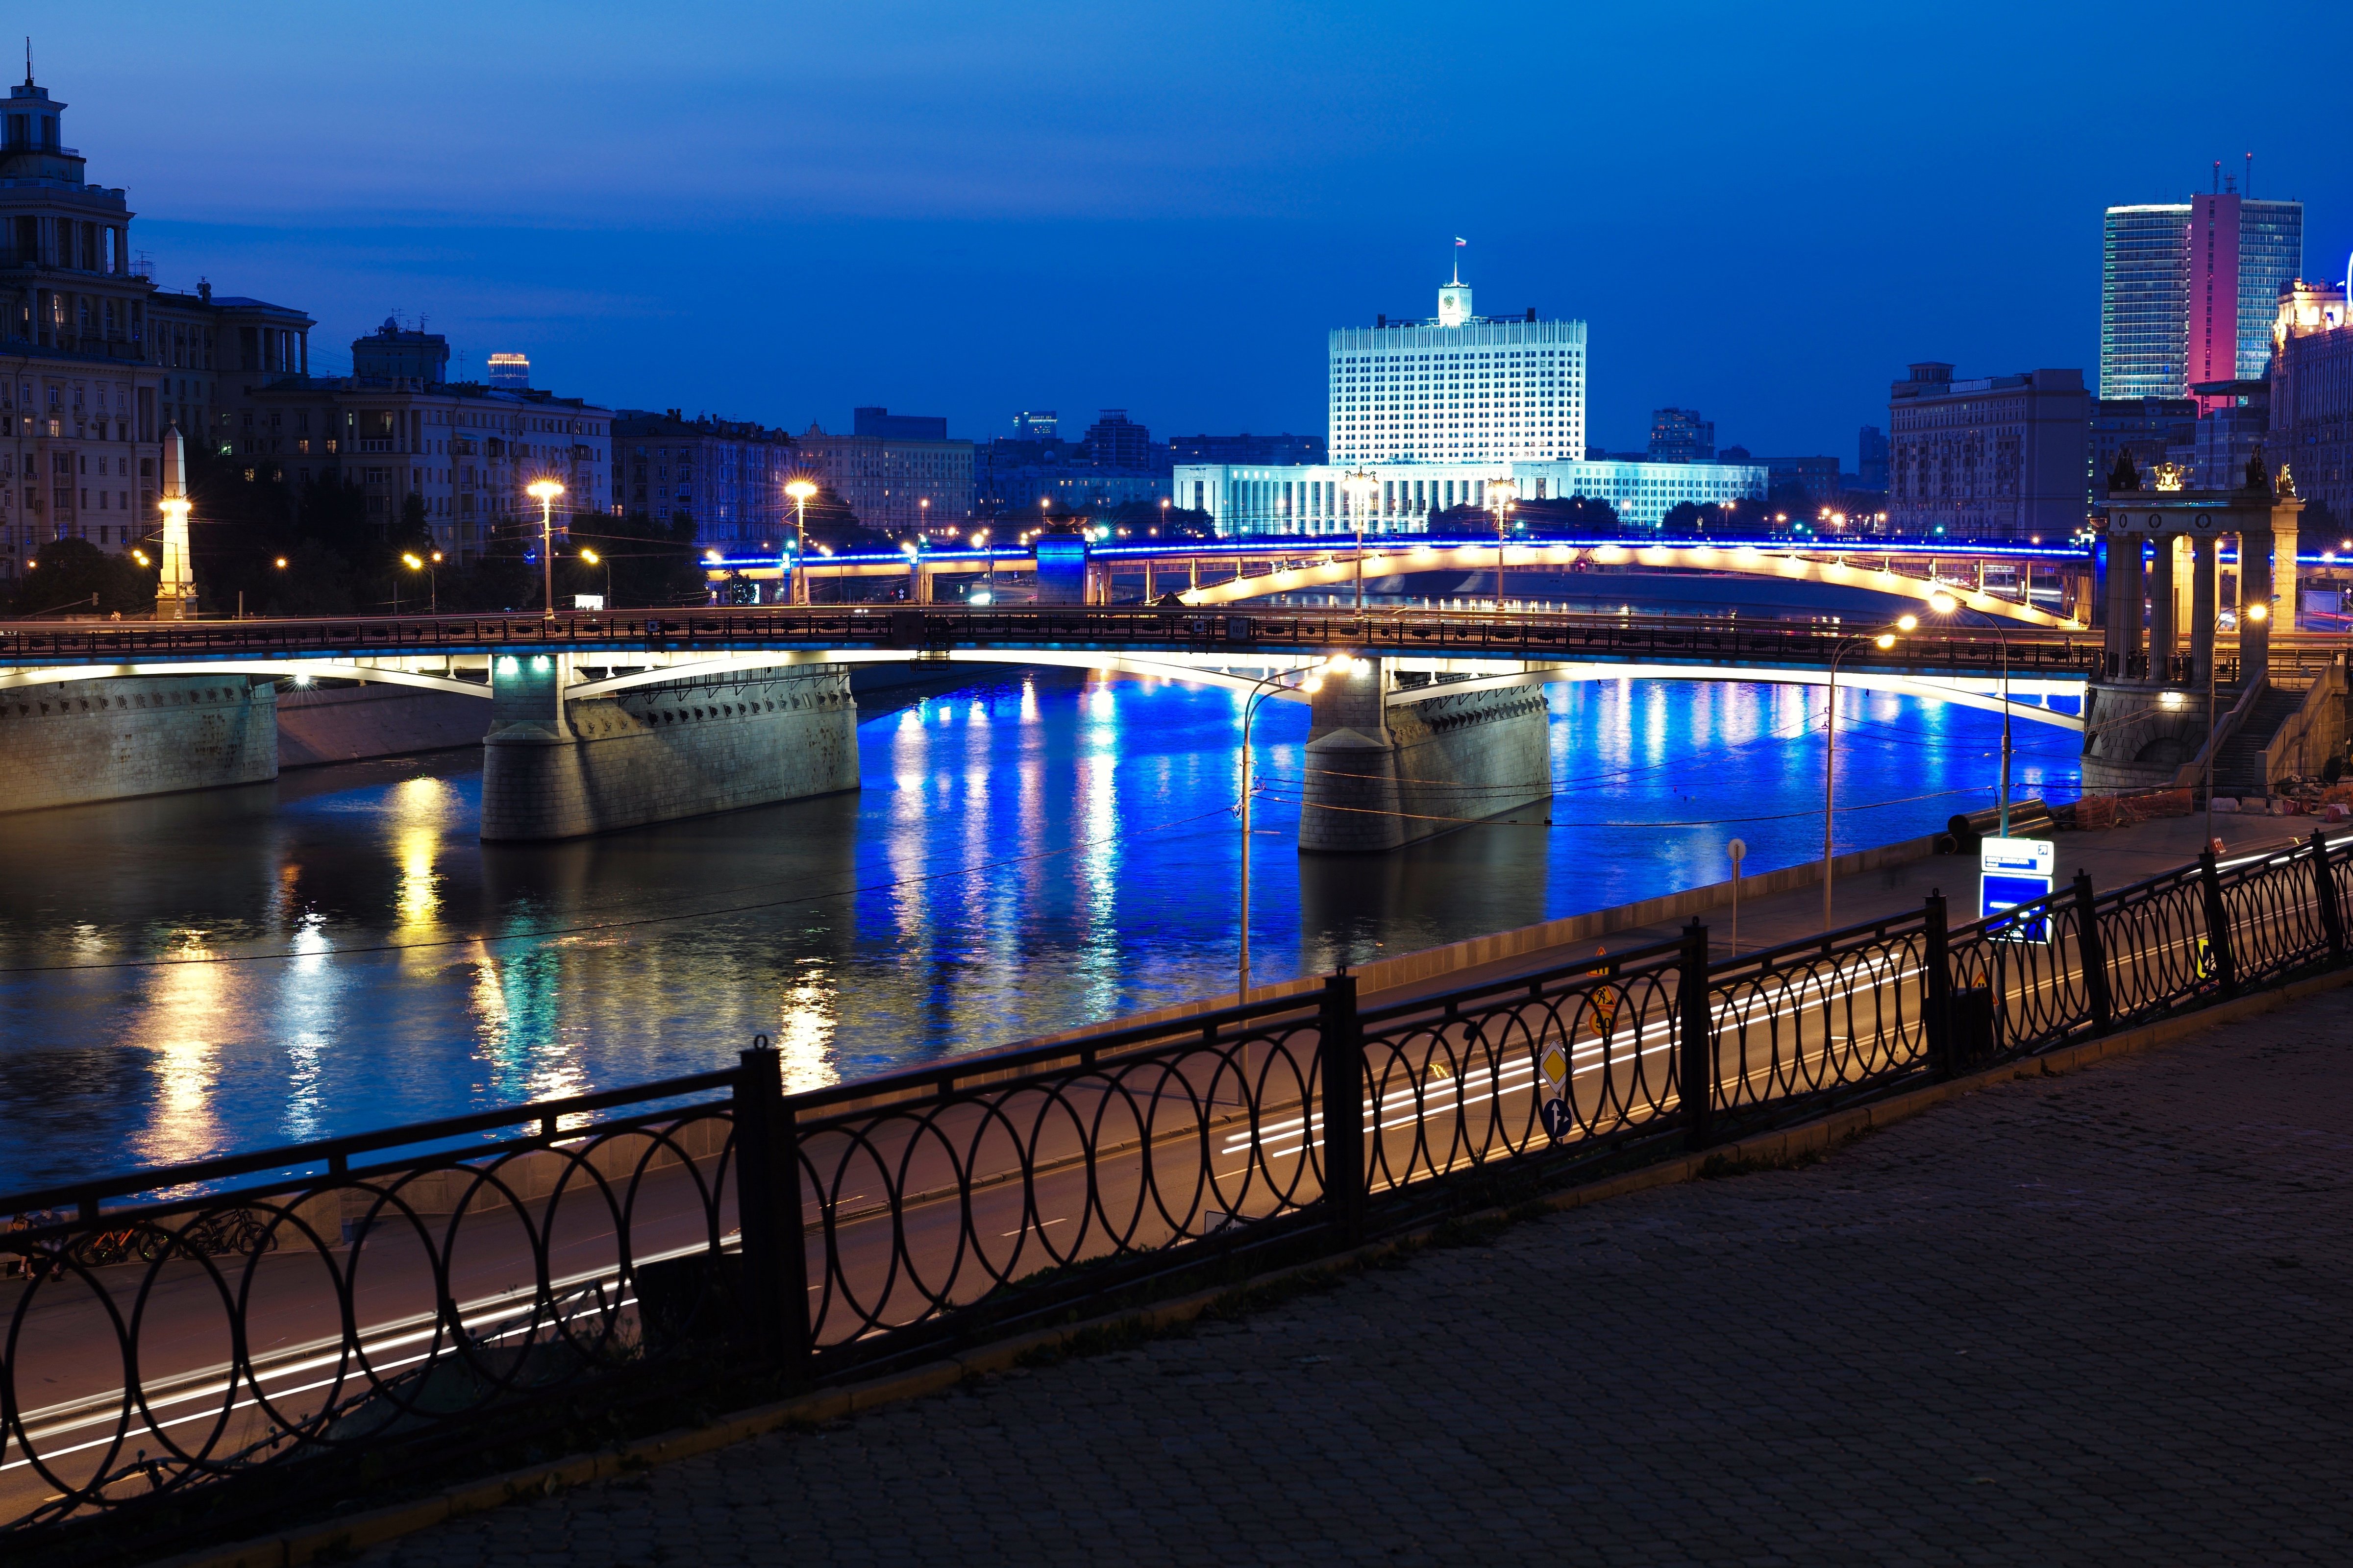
[359,1532]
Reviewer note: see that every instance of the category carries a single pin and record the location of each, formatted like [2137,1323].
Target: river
[209,973]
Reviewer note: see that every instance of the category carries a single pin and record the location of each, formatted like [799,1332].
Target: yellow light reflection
[178,1031]
[805,1025]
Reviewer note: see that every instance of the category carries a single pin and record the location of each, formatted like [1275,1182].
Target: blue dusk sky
[776,212]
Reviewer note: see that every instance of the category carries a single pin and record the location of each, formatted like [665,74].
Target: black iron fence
[169,1331]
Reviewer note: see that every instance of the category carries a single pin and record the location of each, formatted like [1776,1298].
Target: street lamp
[1312,683]
[545,491]
[593,559]
[1501,494]
[800,491]
[432,585]
[989,559]
[1361,487]
[1883,641]
[2257,613]
[1943,604]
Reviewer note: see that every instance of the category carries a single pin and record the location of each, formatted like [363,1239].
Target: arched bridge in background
[2034,584]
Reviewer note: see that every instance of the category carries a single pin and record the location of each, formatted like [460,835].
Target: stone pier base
[657,753]
[2136,736]
[1381,776]
[81,741]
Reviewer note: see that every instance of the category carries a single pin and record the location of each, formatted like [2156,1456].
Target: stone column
[2163,608]
[2254,589]
[2284,584]
[2203,607]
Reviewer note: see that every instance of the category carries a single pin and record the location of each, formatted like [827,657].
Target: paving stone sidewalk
[2094,1319]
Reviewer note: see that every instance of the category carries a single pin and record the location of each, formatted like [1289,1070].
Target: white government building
[1434,411]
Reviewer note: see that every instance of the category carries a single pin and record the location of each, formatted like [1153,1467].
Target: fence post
[1936,1012]
[2092,954]
[1340,1043]
[2217,924]
[2332,918]
[1696,1021]
[768,1212]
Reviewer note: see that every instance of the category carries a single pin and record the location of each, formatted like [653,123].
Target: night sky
[777,212]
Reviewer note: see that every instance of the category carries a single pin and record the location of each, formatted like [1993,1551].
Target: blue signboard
[2014,871]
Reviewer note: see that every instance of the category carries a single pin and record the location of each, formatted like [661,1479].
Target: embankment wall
[110,739]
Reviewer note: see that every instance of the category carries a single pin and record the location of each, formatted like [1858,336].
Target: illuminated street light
[1361,487]
[545,491]
[1882,639]
[1310,682]
[593,559]
[800,491]
[1945,603]
[1501,494]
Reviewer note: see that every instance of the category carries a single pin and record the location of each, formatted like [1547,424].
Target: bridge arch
[1389,560]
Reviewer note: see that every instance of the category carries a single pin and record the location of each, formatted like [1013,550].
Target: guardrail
[1523,634]
[174,1335]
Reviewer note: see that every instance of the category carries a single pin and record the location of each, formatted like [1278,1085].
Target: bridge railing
[221,1340]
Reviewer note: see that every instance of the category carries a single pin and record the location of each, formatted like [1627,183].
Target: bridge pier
[1383,775]
[556,767]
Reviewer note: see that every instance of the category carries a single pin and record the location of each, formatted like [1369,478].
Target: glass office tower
[2149,274]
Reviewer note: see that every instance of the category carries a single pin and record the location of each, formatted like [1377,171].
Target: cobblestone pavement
[2090,1318]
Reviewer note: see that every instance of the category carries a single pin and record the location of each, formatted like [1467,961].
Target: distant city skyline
[1175,222]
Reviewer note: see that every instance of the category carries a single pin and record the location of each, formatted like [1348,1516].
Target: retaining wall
[657,753]
[109,740]
[353,723]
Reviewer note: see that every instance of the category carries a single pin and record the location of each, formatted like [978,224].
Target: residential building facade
[463,452]
[1994,457]
[1681,436]
[726,478]
[894,483]
[2312,400]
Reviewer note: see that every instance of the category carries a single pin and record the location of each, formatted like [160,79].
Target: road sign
[1551,1066]
[2010,872]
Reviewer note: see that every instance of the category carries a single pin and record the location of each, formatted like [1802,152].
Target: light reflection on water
[1029,853]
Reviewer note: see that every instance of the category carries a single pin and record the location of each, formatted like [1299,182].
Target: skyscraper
[2187,290]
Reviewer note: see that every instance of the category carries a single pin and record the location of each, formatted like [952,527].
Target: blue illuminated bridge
[2030,582]
[596,654]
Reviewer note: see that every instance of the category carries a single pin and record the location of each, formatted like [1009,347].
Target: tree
[651,563]
[73,576]
[1567,517]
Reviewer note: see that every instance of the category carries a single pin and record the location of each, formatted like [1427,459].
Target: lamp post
[988,564]
[1311,681]
[1361,487]
[2254,612]
[1501,494]
[545,492]
[1945,605]
[593,559]
[432,584]
[1882,639]
[800,491]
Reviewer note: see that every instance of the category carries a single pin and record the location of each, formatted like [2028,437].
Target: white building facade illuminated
[1434,412]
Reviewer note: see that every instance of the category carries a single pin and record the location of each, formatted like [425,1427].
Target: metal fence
[170,1330]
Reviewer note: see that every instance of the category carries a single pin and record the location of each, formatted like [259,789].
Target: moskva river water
[224,971]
